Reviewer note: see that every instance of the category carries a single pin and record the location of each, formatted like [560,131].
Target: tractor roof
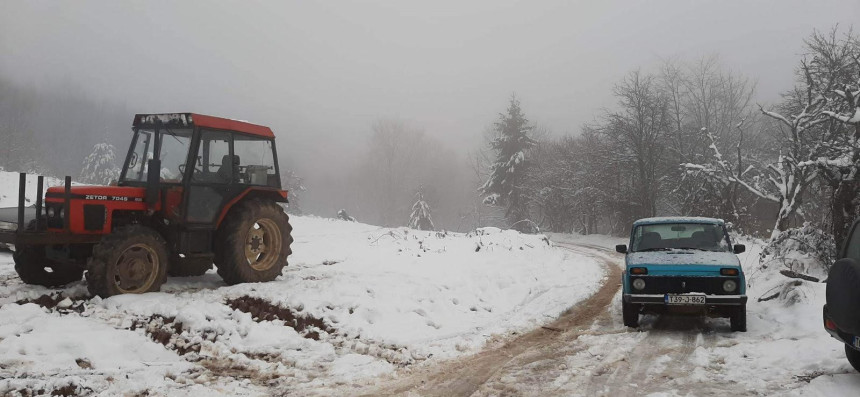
[202,120]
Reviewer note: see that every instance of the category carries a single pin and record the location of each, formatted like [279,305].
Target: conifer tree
[100,166]
[420,218]
[505,186]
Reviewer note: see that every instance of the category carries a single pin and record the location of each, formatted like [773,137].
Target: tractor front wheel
[131,260]
[253,242]
[34,268]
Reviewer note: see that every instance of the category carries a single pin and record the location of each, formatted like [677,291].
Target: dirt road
[586,352]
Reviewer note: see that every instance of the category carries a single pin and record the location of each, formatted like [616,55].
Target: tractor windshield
[690,236]
[173,154]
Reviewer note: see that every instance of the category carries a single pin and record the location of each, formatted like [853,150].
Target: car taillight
[829,324]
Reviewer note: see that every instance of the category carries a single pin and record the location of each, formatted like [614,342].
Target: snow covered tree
[505,186]
[636,137]
[100,165]
[294,184]
[420,218]
[834,70]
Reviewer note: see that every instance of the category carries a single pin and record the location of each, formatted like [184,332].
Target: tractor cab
[202,163]
[190,181]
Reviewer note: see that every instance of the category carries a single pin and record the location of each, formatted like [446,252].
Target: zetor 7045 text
[683,265]
[194,190]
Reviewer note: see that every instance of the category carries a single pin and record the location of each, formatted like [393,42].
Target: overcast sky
[320,72]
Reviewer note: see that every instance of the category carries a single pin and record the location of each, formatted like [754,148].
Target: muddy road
[587,352]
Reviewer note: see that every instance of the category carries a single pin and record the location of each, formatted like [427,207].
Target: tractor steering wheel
[195,171]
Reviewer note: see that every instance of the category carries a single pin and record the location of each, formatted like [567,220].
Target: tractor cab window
[213,161]
[256,163]
[144,144]
[173,154]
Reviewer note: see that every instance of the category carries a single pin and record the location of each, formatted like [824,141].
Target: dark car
[842,310]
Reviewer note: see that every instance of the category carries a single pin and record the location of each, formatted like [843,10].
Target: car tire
[739,319]
[843,293]
[853,356]
[630,313]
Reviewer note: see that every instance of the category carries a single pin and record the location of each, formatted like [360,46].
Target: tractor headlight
[8,226]
[50,212]
[61,212]
[730,285]
[639,284]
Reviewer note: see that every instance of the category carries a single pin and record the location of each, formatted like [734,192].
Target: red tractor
[194,190]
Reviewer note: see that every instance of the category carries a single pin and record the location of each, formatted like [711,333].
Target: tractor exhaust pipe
[22,190]
[39,187]
[67,204]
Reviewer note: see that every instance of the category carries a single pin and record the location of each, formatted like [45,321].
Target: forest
[685,137]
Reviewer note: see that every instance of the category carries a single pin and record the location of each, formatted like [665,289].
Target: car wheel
[853,357]
[630,312]
[739,319]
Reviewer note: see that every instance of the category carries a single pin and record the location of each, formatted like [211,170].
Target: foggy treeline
[685,137]
[52,129]
[689,138]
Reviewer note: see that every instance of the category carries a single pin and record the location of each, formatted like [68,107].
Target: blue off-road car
[683,265]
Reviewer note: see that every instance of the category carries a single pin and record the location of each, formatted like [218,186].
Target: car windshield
[174,152]
[674,236]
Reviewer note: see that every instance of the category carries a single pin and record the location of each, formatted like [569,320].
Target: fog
[321,73]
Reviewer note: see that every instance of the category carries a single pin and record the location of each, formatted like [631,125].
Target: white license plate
[685,299]
[857,342]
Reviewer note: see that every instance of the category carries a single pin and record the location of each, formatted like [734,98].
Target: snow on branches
[420,218]
[100,166]
[507,174]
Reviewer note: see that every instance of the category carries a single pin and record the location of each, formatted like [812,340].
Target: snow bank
[356,301]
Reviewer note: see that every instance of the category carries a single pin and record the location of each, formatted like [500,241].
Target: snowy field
[356,301]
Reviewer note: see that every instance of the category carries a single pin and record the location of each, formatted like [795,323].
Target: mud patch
[168,332]
[57,302]
[261,310]
[68,390]
[808,377]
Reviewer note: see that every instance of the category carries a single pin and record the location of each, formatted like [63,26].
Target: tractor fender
[274,194]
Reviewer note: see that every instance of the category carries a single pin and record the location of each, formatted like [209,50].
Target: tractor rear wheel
[34,268]
[188,266]
[253,242]
[131,260]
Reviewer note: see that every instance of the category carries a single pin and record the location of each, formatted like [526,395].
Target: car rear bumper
[710,300]
[840,335]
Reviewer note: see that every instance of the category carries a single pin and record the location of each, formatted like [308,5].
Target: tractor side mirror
[153,183]
[740,248]
[621,248]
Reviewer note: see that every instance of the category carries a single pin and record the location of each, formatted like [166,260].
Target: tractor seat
[229,169]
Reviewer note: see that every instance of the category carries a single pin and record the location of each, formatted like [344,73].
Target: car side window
[853,249]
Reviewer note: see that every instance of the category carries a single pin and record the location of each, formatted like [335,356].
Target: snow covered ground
[785,352]
[357,301]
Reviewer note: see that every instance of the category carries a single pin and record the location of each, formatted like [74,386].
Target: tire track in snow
[464,377]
